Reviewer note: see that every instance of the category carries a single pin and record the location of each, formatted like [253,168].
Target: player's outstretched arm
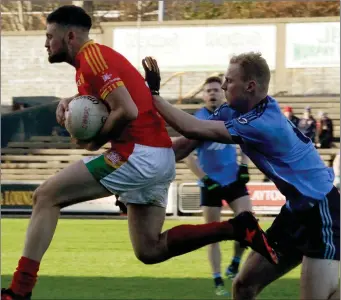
[191,127]
[184,123]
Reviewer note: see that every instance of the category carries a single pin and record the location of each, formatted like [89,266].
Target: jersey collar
[210,112]
[86,45]
[261,106]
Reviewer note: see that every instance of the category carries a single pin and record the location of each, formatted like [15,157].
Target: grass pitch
[93,259]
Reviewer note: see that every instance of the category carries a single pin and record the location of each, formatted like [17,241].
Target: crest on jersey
[106,77]
[242,120]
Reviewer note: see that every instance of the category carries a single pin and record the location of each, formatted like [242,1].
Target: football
[85,117]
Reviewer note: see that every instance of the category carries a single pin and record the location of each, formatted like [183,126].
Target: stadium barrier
[266,198]
[16,198]
[184,198]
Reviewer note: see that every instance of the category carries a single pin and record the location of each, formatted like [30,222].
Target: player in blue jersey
[220,178]
[307,230]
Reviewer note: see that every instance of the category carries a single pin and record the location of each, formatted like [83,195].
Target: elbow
[131,114]
[181,155]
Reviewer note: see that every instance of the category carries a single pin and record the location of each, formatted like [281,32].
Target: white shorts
[142,179]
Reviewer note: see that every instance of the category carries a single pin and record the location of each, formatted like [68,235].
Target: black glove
[243,174]
[209,183]
[152,74]
[121,205]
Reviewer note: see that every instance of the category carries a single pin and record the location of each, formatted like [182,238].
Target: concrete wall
[25,70]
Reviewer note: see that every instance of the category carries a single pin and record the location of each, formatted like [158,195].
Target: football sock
[186,238]
[25,277]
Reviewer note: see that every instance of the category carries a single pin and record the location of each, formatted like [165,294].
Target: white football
[85,117]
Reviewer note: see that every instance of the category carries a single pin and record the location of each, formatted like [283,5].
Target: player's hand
[152,74]
[62,107]
[243,174]
[210,183]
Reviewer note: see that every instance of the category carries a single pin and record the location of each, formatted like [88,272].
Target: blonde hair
[254,67]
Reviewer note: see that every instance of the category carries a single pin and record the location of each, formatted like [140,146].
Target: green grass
[93,259]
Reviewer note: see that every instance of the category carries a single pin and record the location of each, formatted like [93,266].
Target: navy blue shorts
[228,193]
[313,233]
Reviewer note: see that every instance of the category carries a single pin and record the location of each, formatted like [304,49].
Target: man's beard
[61,56]
[58,57]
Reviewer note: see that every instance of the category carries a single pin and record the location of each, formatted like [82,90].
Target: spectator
[288,112]
[324,130]
[307,124]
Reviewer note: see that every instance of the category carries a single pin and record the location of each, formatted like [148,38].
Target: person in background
[288,112]
[307,124]
[324,130]
[220,178]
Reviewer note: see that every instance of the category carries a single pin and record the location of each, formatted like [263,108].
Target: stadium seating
[42,156]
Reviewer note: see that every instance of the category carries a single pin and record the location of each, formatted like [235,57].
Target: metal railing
[193,92]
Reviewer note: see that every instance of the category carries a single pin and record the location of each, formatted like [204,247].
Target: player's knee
[34,198]
[150,252]
[41,197]
[146,258]
[243,290]
[37,197]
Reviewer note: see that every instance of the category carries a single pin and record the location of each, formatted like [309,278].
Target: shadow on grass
[50,287]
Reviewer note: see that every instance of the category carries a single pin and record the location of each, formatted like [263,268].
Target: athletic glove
[243,174]
[121,205]
[209,183]
[152,74]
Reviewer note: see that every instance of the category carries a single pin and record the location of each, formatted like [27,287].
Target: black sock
[218,281]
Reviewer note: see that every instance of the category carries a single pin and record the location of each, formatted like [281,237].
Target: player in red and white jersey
[139,167]
[101,70]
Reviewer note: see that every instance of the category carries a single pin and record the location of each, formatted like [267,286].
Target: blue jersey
[219,161]
[284,154]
